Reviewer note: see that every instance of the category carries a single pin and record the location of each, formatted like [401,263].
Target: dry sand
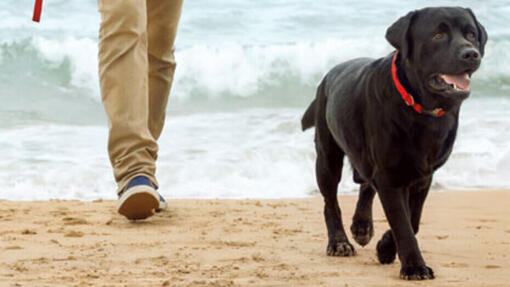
[465,238]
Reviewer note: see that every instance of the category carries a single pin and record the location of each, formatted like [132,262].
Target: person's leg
[123,71]
[162,20]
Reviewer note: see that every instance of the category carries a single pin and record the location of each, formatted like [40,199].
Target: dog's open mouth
[460,82]
[458,85]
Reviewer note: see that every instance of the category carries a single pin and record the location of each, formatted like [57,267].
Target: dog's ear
[397,34]
[482,33]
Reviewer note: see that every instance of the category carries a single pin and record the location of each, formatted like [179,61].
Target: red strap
[408,98]
[37,10]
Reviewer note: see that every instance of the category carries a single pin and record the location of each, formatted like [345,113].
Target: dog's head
[440,48]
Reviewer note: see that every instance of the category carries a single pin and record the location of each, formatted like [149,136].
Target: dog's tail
[308,119]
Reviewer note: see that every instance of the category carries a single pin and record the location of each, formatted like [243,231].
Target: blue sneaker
[139,200]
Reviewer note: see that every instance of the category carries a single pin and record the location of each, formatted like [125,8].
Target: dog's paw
[340,249]
[416,273]
[386,250]
[362,231]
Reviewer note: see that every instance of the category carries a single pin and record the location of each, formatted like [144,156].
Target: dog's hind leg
[362,227]
[328,171]
[386,248]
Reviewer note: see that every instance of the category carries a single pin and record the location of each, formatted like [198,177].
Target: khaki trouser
[136,69]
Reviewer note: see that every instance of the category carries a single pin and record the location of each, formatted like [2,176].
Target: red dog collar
[408,98]
[37,10]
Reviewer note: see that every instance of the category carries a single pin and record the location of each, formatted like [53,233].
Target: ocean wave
[222,70]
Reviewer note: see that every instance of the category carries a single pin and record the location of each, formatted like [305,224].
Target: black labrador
[396,120]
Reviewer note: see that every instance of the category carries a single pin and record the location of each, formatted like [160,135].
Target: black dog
[396,119]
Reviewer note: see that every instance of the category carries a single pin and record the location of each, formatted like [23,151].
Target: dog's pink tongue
[462,81]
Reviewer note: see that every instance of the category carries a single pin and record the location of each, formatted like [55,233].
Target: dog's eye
[438,36]
[471,36]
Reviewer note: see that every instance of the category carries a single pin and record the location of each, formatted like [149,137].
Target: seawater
[246,72]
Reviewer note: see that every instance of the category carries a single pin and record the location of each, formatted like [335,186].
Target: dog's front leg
[417,196]
[396,208]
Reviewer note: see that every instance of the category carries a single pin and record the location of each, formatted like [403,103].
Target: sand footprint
[488,220]
[455,265]
[13,247]
[73,233]
[28,232]
[74,221]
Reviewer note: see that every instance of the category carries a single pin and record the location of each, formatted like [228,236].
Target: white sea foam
[256,153]
[242,70]
[81,54]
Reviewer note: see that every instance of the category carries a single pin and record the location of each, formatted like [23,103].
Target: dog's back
[342,80]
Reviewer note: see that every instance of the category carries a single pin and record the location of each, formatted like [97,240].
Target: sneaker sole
[139,202]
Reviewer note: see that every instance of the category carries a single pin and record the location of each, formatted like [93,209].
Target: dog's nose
[470,55]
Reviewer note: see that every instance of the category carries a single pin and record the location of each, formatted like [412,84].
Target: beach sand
[464,236]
